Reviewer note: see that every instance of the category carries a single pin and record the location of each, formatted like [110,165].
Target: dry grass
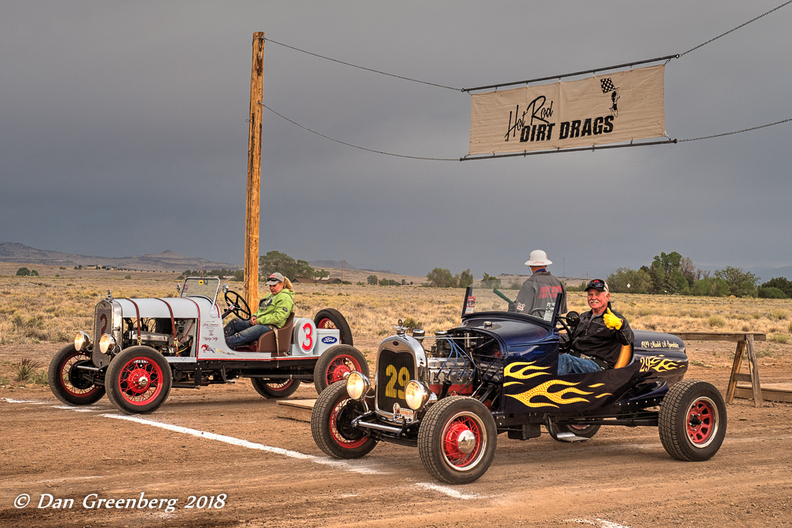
[53,309]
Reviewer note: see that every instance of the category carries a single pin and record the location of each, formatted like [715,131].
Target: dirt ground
[221,456]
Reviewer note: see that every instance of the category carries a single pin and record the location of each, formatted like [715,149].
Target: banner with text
[613,108]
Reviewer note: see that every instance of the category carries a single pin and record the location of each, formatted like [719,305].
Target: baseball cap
[597,284]
[275,278]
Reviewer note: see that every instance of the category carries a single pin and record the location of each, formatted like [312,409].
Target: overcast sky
[123,131]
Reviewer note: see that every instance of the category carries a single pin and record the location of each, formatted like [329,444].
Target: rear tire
[457,440]
[331,424]
[66,381]
[138,380]
[332,319]
[692,421]
[335,363]
[273,390]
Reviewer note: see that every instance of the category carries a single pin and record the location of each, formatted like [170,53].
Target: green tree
[372,280]
[710,287]
[441,278]
[627,280]
[488,281]
[465,279]
[23,272]
[741,283]
[771,292]
[284,264]
[667,273]
[782,283]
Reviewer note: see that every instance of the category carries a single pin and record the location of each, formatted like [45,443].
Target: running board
[570,437]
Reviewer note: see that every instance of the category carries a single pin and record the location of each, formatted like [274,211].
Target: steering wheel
[237,305]
[569,323]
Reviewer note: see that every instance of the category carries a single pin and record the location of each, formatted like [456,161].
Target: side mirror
[178,287]
[225,288]
[573,318]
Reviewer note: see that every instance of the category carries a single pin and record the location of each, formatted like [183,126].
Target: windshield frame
[206,287]
[478,296]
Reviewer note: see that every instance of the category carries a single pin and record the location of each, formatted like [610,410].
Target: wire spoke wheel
[138,380]
[275,389]
[68,382]
[331,424]
[336,363]
[457,440]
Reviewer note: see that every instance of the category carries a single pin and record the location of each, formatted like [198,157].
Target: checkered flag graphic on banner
[607,85]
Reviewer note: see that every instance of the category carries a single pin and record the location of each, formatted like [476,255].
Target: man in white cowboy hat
[541,288]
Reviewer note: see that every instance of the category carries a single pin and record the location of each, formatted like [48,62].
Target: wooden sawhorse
[745,343]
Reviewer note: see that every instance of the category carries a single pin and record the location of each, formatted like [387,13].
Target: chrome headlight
[416,394]
[107,343]
[82,341]
[357,385]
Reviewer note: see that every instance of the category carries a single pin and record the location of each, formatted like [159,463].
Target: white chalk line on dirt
[260,447]
[601,523]
[285,452]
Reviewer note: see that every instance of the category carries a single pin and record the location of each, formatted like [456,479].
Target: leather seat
[278,341]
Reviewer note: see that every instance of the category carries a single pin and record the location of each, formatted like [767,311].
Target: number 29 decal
[398,378]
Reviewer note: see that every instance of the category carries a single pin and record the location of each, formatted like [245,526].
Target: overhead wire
[465,158]
[355,146]
[363,67]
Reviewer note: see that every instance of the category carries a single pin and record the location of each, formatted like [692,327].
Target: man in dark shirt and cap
[599,336]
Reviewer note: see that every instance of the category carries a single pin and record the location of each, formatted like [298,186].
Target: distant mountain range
[165,261]
[170,261]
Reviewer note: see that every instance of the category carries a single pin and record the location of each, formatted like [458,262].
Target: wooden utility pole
[253,210]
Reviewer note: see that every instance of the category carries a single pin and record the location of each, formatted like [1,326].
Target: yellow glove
[611,321]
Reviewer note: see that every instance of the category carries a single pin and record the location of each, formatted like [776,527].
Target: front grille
[394,371]
[103,320]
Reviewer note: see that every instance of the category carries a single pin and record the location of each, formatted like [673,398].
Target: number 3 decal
[307,340]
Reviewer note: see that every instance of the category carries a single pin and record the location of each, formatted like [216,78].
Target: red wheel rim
[282,386]
[463,441]
[340,367]
[337,434]
[702,422]
[140,381]
[326,323]
[67,380]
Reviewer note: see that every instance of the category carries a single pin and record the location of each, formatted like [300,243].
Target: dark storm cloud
[124,131]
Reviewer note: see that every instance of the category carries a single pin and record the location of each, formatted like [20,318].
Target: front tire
[332,319]
[331,424]
[457,440]
[138,380]
[336,363]
[273,390]
[692,421]
[66,382]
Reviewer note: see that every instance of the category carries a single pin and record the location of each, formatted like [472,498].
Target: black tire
[273,390]
[335,363]
[583,431]
[692,421]
[138,380]
[66,382]
[457,440]
[331,424]
[331,318]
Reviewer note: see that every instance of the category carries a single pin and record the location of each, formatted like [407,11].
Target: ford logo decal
[329,340]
